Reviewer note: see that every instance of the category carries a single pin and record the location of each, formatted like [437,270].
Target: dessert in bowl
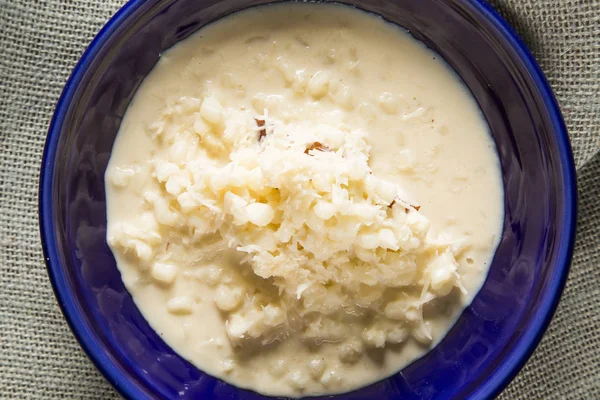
[524,280]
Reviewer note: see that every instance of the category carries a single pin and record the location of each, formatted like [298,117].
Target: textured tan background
[40,42]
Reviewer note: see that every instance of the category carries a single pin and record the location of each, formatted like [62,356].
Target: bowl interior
[496,332]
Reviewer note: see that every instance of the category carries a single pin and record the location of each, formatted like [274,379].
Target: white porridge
[302,199]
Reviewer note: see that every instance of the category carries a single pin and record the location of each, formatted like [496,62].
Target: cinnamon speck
[263,132]
[317,146]
[406,209]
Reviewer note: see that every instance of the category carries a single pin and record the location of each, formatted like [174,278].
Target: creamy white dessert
[302,199]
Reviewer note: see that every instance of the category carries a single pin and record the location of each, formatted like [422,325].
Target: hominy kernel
[350,352]
[316,367]
[227,298]
[389,103]
[211,110]
[297,380]
[318,84]
[278,367]
[164,273]
[180,305]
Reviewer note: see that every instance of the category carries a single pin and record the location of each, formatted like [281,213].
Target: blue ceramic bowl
[495,335]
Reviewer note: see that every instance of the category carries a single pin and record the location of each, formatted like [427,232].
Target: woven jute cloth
[40,42]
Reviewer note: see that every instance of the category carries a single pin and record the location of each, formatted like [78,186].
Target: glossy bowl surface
[494,336]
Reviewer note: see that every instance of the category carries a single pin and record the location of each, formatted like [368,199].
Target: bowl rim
[493,385]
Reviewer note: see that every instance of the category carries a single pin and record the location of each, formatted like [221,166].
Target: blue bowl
[494,336]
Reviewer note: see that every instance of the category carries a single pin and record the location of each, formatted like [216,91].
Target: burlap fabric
[40,42]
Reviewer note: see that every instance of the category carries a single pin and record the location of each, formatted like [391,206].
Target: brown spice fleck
[263,132]
[407,210]
[317,146]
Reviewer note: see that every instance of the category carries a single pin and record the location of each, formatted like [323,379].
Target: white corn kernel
[389,103]
[365,255]
[298,380]
[120,177]
[164,273]
[179,151]
[211,275]
[350,352]
[227,298]
[201,128]
[211,110]
[387,240]
[278,367]
[442,281]
[405,160]
[260,214]
[176,184]
[287,72]
[365,212]
[187,202]
[368,241]
[387,191]
[442,274]
[324,210]
[299,83]
[316,367]
[423,333]
[150,196]
[227,365]
[344,98]
[318,84]
[180,305]
[237,327]
[236,206]
[331,378]
[164,170]
[143,251]
[163,213]
[272,315]
[395,310]
[397,335]
[418,222]
[367,111]
[374,337]
[413,314]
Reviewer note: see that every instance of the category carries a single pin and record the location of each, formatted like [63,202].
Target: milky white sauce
[302,199]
